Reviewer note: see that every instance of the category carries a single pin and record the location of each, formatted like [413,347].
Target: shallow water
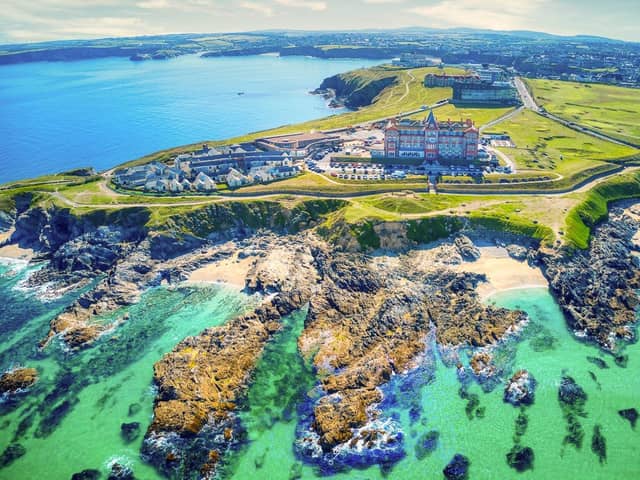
[62,115]
[108,379]
[109,384]
[548,351]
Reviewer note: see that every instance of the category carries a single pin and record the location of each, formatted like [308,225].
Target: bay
[63,115]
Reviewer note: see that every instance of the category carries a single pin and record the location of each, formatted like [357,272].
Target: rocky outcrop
[467,249]
[629,414]
[370,321]
[17,380]
[597,288]
[201,383]
[457,468]
[520,389]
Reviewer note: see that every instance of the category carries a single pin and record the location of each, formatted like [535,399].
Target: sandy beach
[232,271]
[503,272]
[13,251]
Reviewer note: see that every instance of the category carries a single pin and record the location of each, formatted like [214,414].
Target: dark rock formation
[457,468]
[17,380]
[426,444]
[520,389]
[599,444]
[120,472]
[598,362]
[517,252]
[89,474]
[13,452]
[597,288]
[520,458]
[630,414]
[466,248]
[572,400]
[130,431]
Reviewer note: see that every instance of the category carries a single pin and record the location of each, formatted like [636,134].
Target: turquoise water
[111,384]
[105,386]
[61,115]
[545,348]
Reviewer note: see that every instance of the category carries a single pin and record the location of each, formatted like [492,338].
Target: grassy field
[480,116]
[609,109]
[545,145]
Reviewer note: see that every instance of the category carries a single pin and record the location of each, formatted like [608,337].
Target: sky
[40,20]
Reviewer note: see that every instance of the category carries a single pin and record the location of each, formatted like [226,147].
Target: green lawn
[312,183]
[480,116]
[545,145]
[612,110]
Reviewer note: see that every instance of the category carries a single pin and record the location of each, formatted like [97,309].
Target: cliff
[359,88]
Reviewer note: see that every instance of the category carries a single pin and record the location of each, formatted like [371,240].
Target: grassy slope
[609,109]
[594,205]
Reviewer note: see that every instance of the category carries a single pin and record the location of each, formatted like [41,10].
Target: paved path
[501,119]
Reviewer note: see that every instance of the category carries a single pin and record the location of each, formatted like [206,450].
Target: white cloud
[382,2]
[497,14]
[316,6]
[258,8]
[154,4]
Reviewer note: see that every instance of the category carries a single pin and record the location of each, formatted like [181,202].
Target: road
[501,119]
[525,96]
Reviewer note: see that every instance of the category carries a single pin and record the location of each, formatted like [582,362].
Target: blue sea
[62,115]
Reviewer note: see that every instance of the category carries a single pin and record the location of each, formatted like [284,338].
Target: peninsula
[386,230]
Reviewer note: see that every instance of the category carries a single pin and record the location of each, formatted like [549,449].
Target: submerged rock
[16,380]
[520,458]
[134,409]
[572,400]
[571,395]
[521,424]
[521,389]
[630,414]
[426,444]
[598,362]
[130,431]
[457,468]
[295,472]
[89,474]
[120,472]
[11,454]
[599,444]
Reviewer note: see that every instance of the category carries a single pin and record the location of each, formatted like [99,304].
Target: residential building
[496,93]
